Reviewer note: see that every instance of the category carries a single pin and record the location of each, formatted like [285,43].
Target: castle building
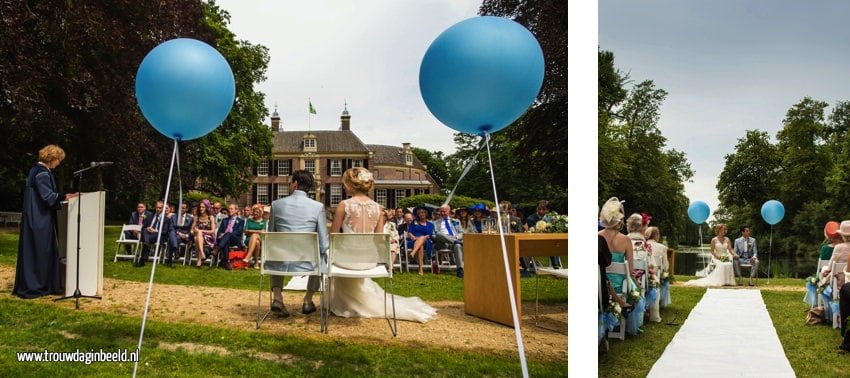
[327,154]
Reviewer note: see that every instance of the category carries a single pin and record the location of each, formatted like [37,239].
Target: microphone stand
[77,294]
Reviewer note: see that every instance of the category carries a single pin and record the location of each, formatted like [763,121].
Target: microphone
[100,163]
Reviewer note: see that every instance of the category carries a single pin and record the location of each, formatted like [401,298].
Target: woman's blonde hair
[359,179]
[634,222]
[718,227]
[50,153]
[652,232]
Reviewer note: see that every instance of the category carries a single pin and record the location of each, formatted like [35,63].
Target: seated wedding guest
[391,229]
[634,225]
[398,216]
[230,234]
[841,253]
[462,215]
[611,217]
[447,234]
[141,217]
[541,214]
[830,232]
[658,250]
[419,234]
[267,214]
[408,219]
[254,227]
[248,212]
[38,270]
[479,215]
[182,230]
[204,230]
[152,234]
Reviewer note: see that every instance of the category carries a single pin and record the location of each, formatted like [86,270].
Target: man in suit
[230,234]
[141,217]
[299,213]
[745,250]
[447,234]
[181,232]
[149,233]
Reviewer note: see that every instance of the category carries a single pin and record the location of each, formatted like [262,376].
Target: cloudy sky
[364,53]
[728,66]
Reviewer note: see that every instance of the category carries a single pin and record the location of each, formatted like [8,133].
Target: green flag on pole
[312,109]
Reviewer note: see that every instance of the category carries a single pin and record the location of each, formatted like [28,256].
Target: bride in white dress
[362,297]
[721,255]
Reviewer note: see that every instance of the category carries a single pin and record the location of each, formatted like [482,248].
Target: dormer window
[309,143]
[408,159]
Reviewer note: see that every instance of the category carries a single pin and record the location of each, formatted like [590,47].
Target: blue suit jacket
[134,218]
[752,250]
[238,226]
[299,213]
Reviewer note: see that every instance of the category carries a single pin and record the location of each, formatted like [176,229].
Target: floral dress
[206,224]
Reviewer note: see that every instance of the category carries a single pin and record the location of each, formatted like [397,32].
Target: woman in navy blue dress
[38,270]
[419,235]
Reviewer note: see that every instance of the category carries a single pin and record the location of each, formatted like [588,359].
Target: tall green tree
[436,164]
[541,134]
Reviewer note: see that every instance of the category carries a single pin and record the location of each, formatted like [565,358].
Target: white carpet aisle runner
[728,334]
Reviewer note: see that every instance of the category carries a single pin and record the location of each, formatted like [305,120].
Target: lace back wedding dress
[362,297]
[723,273]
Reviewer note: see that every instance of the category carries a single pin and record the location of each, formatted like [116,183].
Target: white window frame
[357,163]
[381,197]
[309,169]
[400,194]
[309,143]
[282,190]
[420,191]
[336,194]
[262,194]
[284,167]
[336,167]
[263,168]
[408,159]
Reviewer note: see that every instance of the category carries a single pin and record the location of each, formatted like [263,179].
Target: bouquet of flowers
[665,277]
[634,296]
[723,258]
[551,223]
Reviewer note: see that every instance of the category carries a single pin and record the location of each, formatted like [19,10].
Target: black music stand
[77,294]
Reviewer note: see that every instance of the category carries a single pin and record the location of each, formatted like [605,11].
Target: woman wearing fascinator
[611,218]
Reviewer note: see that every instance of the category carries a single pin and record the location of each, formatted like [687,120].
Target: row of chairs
[834,270]
[445,257]
[351,255]
[623,269]
[186,252]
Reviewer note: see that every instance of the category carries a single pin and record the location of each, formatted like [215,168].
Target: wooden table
[485,293]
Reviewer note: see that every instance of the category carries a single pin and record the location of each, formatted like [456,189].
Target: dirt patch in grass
[237,309]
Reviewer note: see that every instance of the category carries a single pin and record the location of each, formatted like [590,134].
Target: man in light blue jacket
[299,213]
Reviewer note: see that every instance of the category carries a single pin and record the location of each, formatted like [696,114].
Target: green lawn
[811,350]
[179,350]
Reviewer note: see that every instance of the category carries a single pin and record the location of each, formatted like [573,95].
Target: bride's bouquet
[723,258]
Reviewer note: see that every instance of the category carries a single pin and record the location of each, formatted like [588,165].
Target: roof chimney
[345,120]
[276,120]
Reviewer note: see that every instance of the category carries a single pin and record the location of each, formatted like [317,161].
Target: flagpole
[309,114]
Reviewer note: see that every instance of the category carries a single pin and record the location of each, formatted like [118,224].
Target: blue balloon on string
[698,212]
[185,88]
[772,212]
[481,74]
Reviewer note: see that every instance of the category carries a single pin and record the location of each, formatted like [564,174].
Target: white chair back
[821,264]
[623,269]
[290,253]
[360,251]
[122,239]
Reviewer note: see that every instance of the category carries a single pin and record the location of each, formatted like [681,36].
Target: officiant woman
[37,272]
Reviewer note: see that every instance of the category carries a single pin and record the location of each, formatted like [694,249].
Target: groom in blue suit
[299,213]
[746,251]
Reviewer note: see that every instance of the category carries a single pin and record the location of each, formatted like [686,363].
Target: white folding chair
[837,268]
[561,273]
[641,264]
[355,255]
[288,254]
[134,244]
[623,269]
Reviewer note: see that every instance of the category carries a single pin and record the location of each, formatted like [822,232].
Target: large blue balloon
[185,88]
[772,212]
[481,74]
[698,212]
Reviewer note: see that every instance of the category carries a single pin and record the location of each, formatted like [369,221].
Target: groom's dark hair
[304,180]
[744,227]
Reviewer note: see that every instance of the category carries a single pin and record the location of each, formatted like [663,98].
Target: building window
[420,191]
[399,195]
[336,194]
[310,166]
[284,168]
[263,168]
[263,194]
[358,163]
[282,190]
[309,143]
[336,167]
[408,159]
[381,197]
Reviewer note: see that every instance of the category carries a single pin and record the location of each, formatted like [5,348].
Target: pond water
[690,260]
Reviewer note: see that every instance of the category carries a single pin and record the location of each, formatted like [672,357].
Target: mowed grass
[811,350]
[192,350]
[431,287]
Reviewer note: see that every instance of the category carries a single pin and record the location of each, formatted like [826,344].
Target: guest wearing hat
[267,213]
[830,232]
[419,235]
[479,214]
[462,215]
[840,253]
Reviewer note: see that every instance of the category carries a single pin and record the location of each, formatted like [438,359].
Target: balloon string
[155,260]
[466,169]
[511,296]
